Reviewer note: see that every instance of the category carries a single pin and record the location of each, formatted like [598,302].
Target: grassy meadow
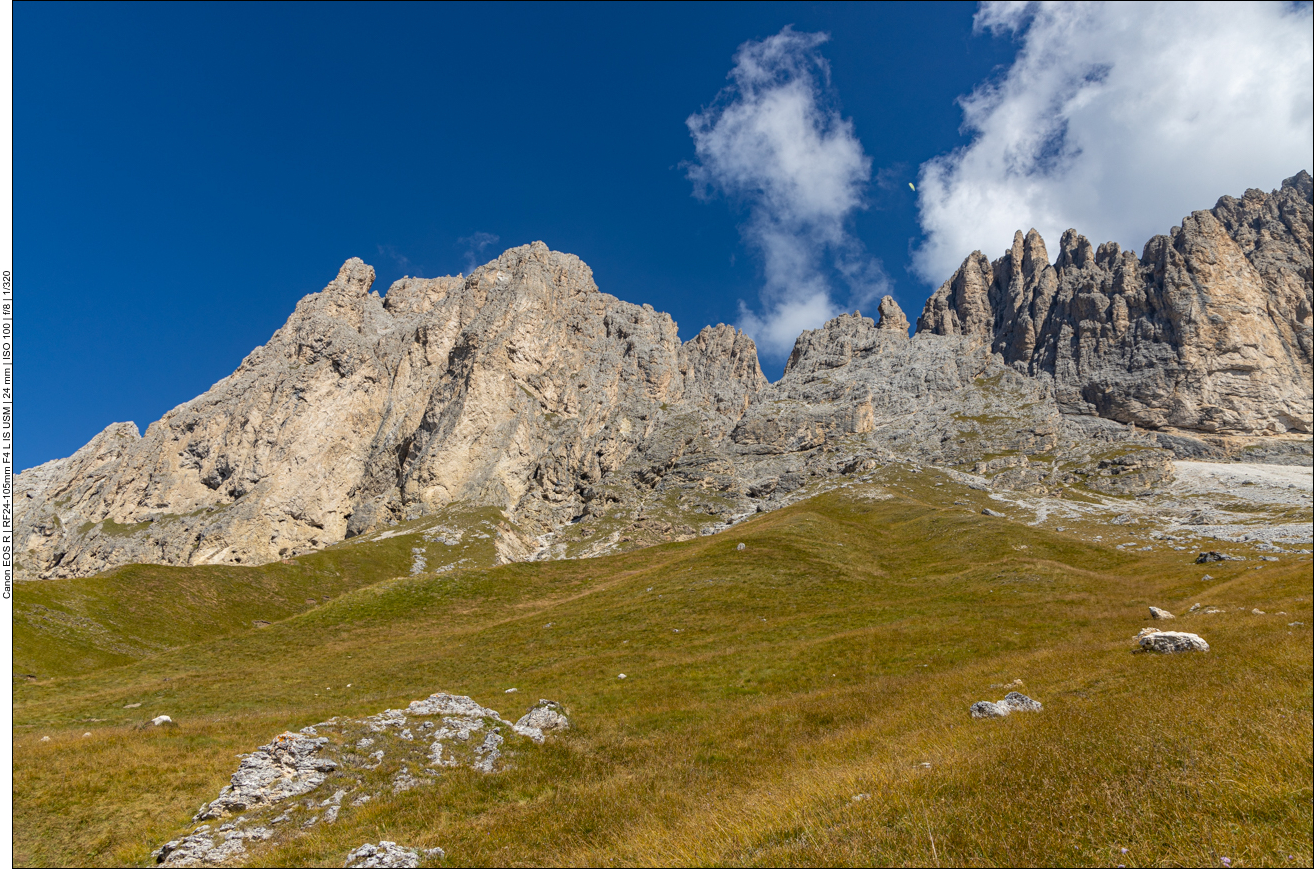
[801,701]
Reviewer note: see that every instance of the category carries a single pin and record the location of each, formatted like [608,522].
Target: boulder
[1019,702]
[546,716]
[989,709]
[1014,701]
[1156,613]
[1170,641]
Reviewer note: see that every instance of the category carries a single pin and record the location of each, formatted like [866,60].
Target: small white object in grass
[857,798]
[509,691]
[132,706]
[47,738]
[621,676]
[85,735]
[740,548]
[924,765]
[161,720]
[348,684]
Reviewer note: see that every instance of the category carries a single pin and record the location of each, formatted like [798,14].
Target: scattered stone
[988,512]
[85,735]
[47,738]
[1194,608]
[739,548]
[1012,702]
[1289,624]
[546,716]
[1019,702]
[163,721]
[857,798]
[1170,641]
[1156,613]
[1206,578]
[389,855]
[1016,683]
[510,691]
[133,706]
[1268,558]
[989,709]
[620,676]
[1257,612]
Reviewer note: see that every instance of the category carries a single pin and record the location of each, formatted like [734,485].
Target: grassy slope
[68,626]
[833,656]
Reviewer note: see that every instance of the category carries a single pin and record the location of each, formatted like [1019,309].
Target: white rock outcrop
[389,855]
[302,779]
[1170,641]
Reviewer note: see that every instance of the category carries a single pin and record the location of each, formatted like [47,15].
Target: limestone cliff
[1208,330]
[520,386]
[586,425]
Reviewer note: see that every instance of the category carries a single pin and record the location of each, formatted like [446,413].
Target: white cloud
[774,142]
[474,245]
[1118,119]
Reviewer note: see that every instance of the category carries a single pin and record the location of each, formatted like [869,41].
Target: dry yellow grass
[835,656]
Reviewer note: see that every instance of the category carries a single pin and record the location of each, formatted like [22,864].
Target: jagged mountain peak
[1208,330]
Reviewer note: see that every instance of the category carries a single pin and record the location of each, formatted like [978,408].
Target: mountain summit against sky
[587,422]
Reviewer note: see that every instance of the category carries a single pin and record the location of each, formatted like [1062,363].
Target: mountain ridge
[592,426]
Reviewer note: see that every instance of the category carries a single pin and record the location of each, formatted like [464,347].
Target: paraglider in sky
[914,189]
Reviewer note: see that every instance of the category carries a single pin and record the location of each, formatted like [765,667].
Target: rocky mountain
[589,425]
[1208,330]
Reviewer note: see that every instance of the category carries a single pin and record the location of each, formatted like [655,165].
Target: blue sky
[184,173]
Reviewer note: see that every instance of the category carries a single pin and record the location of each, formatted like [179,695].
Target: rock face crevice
[589,425]
[1209,329]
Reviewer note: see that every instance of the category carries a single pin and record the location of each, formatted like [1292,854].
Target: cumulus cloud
[474,245]
[1118,119]
[774,142]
